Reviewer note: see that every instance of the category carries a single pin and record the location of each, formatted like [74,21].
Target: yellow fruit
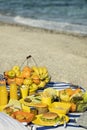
[42,84]
[11,74]
[35,69]
[19,74]
[44,69]
[48,78]
[16,68]
[33,87]
[27,81]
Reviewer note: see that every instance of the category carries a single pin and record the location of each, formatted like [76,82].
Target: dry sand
[64,55]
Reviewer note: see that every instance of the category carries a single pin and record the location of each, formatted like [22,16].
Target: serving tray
[73,116]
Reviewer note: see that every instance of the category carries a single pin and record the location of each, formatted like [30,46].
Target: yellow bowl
[46,100]
[60,107]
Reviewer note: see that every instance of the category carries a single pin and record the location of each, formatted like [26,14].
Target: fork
[64,120]
[57,123]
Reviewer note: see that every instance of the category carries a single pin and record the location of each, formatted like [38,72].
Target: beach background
[53,32]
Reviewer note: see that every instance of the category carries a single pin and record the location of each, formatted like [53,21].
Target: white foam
[50,25]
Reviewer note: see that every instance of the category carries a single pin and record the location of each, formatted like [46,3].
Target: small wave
[50,25]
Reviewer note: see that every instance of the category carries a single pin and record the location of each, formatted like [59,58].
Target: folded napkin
[8,123]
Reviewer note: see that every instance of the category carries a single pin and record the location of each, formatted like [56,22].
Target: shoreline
[43,29]
[64,55]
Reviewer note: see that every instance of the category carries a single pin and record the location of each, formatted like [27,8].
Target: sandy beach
[64,55]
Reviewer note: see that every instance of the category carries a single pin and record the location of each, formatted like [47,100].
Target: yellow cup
[13,91]
[24,91]
[3,95]
[46,100]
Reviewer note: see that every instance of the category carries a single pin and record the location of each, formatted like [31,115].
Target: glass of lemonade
[3,95]
[13,91]
[24,91]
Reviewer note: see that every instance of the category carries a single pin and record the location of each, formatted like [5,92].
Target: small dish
[60,107]
[23,116]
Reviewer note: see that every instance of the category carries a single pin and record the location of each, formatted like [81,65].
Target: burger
[50,117]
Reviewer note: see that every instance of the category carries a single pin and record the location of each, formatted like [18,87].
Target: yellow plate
[39,122]
[32,103]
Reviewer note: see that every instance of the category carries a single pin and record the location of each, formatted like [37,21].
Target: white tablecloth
[8,123]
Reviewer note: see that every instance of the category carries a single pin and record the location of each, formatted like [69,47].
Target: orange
[69,91]
[78,90]
[9,80]
[36,79]
[26,68]
[19,81]
[26,74]
[73,107]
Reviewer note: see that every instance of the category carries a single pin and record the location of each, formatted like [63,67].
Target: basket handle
[27,60]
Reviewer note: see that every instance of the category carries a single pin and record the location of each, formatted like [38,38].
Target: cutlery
[64,120]
[57,123]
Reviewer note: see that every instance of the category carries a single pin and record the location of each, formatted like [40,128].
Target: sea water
[58,15]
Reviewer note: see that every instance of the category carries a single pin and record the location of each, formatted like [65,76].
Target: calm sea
[60,15]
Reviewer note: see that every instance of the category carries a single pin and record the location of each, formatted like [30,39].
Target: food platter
[62,86]
[23,116]
[39,122]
